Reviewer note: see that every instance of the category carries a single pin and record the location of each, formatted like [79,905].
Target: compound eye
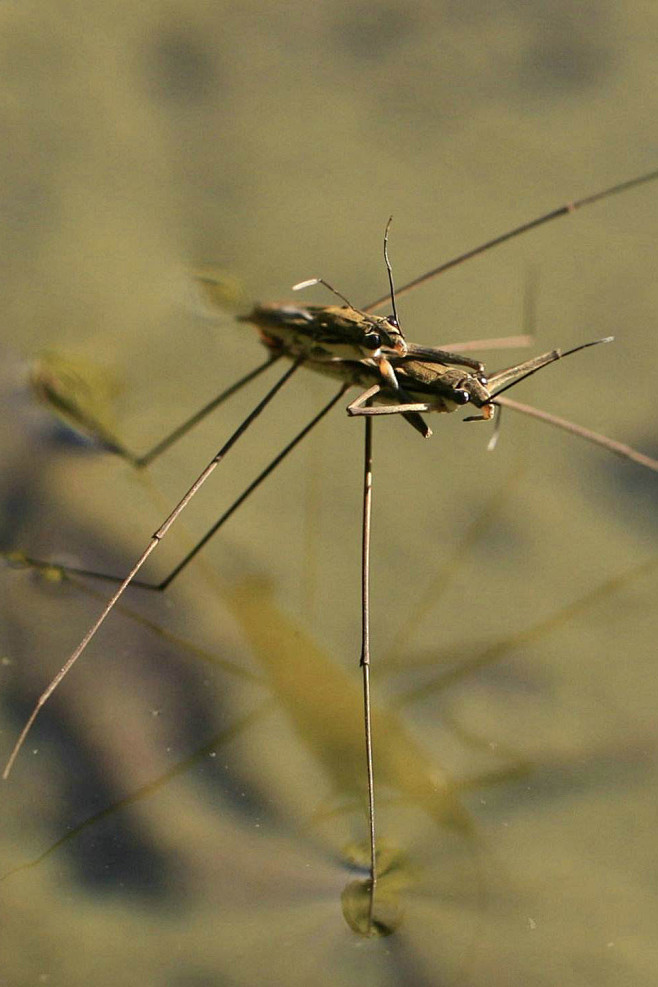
[372,341]
[461,396]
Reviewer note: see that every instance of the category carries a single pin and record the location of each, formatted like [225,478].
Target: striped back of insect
[320,333]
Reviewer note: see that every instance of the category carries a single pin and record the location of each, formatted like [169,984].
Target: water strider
[395,376]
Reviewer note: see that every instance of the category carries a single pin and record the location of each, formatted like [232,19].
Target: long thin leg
[250,489]
[365,652]
[164,583]
[152,545]
[564,210]
[184,428]
[619,448]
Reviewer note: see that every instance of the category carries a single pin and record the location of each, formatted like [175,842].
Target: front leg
[409,410]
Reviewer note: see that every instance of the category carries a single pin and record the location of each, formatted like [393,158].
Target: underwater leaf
[80,393]
[216,289]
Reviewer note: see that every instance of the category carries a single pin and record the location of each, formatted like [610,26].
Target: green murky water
[190,808]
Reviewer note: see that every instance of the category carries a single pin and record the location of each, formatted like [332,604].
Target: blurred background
[189,809]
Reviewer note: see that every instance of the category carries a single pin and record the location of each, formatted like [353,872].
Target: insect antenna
[389,271]
[312,281]
[400,345]
[156,538]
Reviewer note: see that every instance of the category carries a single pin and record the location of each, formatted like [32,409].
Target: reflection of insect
[396,377]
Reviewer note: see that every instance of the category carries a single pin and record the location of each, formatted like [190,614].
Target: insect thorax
[444,387]
[321,333]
